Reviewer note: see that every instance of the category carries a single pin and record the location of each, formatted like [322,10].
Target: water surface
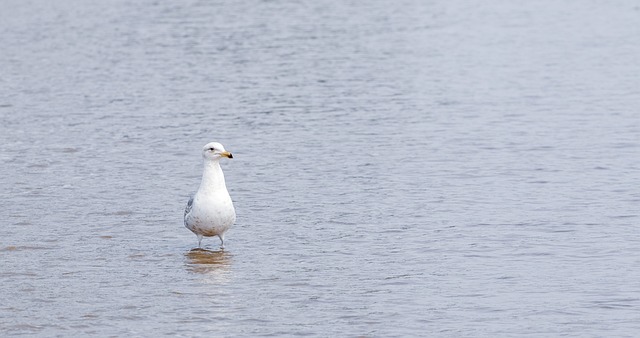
[415,168]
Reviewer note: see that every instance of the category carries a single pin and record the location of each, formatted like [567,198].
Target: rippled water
[407,168]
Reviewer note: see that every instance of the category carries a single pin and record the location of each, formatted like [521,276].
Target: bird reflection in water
[208,262]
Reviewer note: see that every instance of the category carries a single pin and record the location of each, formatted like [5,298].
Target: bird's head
[215,151]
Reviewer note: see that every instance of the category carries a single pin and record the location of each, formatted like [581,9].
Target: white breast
[211,215]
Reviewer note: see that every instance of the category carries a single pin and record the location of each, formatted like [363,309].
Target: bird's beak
[226,154]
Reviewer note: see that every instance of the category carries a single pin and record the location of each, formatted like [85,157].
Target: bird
[210,212]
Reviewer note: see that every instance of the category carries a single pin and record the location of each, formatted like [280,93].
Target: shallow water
[400,169]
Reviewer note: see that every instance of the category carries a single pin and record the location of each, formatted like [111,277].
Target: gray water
[401,168]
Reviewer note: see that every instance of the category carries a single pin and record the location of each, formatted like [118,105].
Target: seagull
[210,211]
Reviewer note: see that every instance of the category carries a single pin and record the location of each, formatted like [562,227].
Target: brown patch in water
[204,261]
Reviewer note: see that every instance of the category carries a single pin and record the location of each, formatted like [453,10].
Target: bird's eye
[211,149]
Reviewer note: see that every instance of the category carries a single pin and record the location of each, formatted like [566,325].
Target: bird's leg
[222,241]
[199,241]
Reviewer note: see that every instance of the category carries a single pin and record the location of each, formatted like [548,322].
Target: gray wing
[187,210]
